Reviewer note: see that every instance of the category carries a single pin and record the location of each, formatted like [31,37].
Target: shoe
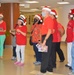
[61,60]
[13,58]
[21,64]
[38,63]
[35,62]
[16,63]
[70,68]
[41,73]
[67,65]
[49,72]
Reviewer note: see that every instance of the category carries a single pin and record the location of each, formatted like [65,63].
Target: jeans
[72,54]
[38,54]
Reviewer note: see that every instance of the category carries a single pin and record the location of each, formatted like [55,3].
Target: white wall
[63,16]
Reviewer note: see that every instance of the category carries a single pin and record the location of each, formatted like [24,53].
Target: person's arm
[23,33]
[47,36]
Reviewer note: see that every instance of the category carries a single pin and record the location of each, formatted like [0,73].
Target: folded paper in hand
[42,48]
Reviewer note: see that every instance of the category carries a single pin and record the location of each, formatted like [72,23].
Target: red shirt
[47,24]
[2,27]
[55,34]
[70,26]
[21,39]
[36,34]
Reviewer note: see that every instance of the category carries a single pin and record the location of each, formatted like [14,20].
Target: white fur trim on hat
[38,16]
[71,15]
[22,16]
[47,9]
[52,13]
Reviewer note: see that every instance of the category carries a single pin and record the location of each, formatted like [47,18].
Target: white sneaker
[13,58]
[38,63]
[41,73]
[49,72]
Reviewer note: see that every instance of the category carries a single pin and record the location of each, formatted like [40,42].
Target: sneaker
[35,62]
[21,64]
[49,72]
[13,58]
[38,63]
[67,65]
[41,73]
[16,63]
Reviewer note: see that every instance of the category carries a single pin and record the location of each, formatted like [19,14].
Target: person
[46,31]
[21,40]
[69,39]
[57,39]
[72,48]
[36,37]
[2,34]
[13,43]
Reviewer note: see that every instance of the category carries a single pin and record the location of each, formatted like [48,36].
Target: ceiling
[51,3]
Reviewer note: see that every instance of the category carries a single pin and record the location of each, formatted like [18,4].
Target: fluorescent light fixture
[31,1]
[62,2]
[21,4]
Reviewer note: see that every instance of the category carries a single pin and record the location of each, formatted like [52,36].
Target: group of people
[45,30]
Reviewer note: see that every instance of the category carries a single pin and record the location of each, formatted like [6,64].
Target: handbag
[30,41]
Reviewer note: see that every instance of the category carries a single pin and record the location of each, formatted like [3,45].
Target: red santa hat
[22,19]
[38,16]
[1,15]
[71,12]
[46,8]
[53,12]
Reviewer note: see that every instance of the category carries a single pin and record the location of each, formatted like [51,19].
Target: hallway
[7,66]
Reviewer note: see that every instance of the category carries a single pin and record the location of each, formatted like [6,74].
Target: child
[21,39]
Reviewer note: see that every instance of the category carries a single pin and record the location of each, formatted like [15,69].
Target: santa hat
[22,19]
[46,8]
[38,16]
[53,12]
[71,12]
[1,15]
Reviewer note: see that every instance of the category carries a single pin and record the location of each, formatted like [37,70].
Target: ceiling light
[31,1]
[62,2]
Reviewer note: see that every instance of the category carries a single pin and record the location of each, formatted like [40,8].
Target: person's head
[37,19]
[71,14]
[1,16]
[21,20]
[54,14]
[46,11]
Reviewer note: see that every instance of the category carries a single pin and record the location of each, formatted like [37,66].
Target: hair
[38,22]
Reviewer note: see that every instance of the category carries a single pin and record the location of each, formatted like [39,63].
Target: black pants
[46,64]
[14,51]
[56,48]
[60,52]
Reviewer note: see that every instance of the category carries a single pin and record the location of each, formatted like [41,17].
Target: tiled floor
[7,66]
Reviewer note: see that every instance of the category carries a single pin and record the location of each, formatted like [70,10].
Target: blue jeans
[38,54]
[72,54]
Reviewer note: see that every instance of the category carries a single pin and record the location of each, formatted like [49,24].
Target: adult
[36,37]
[2,34]
[47,31]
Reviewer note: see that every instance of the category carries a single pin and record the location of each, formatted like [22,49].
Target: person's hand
[44,43]
[18,30]
[10,31]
